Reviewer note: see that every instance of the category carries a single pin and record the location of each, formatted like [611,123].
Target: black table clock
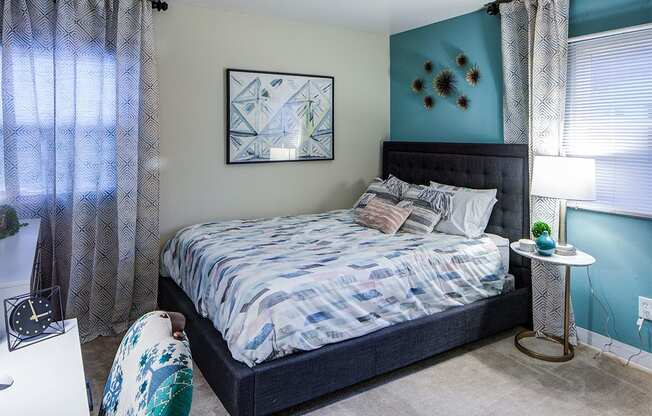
[33,317]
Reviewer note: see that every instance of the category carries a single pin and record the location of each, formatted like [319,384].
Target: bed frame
[297,378]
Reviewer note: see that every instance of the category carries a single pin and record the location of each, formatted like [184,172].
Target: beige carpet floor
[489,377]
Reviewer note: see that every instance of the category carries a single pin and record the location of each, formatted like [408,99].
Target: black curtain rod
[493,8]
[159,5]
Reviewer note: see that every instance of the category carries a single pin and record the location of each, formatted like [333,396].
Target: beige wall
[195,46]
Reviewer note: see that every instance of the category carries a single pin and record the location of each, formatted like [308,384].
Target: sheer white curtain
[79,141]
[535,49]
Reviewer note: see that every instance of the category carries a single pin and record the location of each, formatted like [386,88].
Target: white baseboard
[618,350]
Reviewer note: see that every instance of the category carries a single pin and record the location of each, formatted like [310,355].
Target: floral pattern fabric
[151,373]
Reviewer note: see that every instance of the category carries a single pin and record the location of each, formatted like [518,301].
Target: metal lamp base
[566,356]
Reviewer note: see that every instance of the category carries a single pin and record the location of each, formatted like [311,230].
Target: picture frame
[276,117]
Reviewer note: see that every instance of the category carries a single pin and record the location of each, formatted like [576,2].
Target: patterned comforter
[279,285]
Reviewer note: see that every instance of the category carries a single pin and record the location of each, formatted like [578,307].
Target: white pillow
[469,212]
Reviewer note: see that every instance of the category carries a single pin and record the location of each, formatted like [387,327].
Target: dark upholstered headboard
[481,166]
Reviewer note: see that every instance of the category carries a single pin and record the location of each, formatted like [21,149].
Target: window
[85,146]
[609,116]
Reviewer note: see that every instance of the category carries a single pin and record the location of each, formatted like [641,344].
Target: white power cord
[609,344]
[639,325]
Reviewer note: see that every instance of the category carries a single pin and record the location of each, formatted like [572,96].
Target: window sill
[639,215]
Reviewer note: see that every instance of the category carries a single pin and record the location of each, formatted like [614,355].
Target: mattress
[503,247]
[275,286]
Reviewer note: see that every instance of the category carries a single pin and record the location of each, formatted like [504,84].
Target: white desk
[48,377]
[17,255]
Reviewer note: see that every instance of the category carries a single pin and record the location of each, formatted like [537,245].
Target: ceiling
[380,16]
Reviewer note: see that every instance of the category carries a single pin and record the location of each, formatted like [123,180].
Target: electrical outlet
[645,308]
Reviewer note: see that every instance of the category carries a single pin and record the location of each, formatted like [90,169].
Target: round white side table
[578,260]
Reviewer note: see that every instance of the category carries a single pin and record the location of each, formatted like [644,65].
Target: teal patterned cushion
[151,373]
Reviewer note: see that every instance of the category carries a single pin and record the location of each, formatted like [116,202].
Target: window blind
[609,117]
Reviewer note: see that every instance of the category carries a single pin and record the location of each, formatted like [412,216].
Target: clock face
[31,316]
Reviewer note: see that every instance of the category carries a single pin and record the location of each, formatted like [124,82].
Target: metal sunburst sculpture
[473,76]
[461,60]
[463,102]
[417,85]
[428,102]
[444,83]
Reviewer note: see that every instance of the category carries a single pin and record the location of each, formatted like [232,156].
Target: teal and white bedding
[279,285]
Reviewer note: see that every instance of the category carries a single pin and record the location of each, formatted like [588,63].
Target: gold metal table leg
[569,351]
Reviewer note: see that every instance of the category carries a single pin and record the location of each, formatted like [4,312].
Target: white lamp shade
[564,178]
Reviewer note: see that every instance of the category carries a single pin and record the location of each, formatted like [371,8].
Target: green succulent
[9,224]
[539,227]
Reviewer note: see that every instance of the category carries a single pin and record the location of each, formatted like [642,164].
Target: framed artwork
[279,117]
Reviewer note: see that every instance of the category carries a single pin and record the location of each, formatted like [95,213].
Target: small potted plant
[539,227]
[9,224]
[544,242]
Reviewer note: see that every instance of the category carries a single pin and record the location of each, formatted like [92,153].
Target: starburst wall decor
[463,102]
[444,83]
[473,76]
[461,60]
[428,102]
[417,85]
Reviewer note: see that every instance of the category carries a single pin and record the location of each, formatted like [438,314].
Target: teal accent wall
[622,245]
[592,16]
[478,36]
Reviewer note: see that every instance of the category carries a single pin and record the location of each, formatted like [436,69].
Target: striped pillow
[389,190]
[383,216]
[427,204]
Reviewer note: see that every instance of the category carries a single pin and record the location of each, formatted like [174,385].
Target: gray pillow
[428,205]
[389,190]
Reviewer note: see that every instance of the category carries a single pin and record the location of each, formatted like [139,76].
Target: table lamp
[564,178]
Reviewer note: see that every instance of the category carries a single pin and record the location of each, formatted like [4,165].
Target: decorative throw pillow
[469,211]
[428,206]
[397,186]
[151,373]
[390,189]
[383,216]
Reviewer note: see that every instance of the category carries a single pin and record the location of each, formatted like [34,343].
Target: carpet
[489,377]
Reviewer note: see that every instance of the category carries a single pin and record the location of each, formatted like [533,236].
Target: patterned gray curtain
[79,149]
[535,46]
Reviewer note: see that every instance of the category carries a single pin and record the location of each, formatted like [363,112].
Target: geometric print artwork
[80,133]
[534,37]
[276,117]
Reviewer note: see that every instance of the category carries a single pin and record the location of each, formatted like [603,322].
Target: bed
[386,322]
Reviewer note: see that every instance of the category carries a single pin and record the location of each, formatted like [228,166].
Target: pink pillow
[383,216]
